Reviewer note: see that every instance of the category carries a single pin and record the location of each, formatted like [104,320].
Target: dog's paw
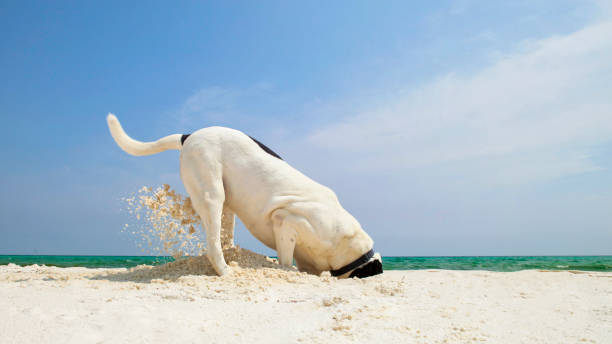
[225,271]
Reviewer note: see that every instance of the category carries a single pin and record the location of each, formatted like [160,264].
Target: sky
[445,127]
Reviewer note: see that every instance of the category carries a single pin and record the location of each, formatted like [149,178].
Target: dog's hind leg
[227,227]
[285,236]
[204,185]
[210,208]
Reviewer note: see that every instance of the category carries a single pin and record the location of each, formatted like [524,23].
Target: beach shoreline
[269,305]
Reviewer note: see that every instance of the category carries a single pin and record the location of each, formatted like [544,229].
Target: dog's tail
[134,147]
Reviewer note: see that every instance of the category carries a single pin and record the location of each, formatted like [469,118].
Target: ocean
[501,263]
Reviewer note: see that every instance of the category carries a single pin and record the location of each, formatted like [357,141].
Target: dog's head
[371,268]
[367,265]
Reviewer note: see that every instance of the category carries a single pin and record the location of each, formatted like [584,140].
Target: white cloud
[210,104]
[222,106]
[549,101]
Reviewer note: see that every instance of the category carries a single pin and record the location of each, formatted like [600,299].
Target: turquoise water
[506,263]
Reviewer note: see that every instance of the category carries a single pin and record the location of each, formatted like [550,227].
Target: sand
[261,303]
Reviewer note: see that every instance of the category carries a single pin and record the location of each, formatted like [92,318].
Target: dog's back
[255,181]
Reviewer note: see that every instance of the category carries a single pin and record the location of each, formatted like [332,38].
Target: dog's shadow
[185,266]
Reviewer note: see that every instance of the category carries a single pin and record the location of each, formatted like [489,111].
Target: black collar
[355,264]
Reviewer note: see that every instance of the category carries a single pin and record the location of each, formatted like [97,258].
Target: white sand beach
[268,305]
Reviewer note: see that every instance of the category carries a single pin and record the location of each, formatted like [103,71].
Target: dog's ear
[370,269]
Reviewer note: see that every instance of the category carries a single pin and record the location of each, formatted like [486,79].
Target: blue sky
[446,128]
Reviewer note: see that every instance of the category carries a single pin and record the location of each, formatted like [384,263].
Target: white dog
[227,172]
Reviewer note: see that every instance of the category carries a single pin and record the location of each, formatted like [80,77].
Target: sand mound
[242,261]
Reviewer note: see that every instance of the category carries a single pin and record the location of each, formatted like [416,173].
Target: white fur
[226,173]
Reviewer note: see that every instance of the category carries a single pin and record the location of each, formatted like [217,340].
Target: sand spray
[164,223]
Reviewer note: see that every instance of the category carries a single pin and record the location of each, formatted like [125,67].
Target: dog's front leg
[285,236]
